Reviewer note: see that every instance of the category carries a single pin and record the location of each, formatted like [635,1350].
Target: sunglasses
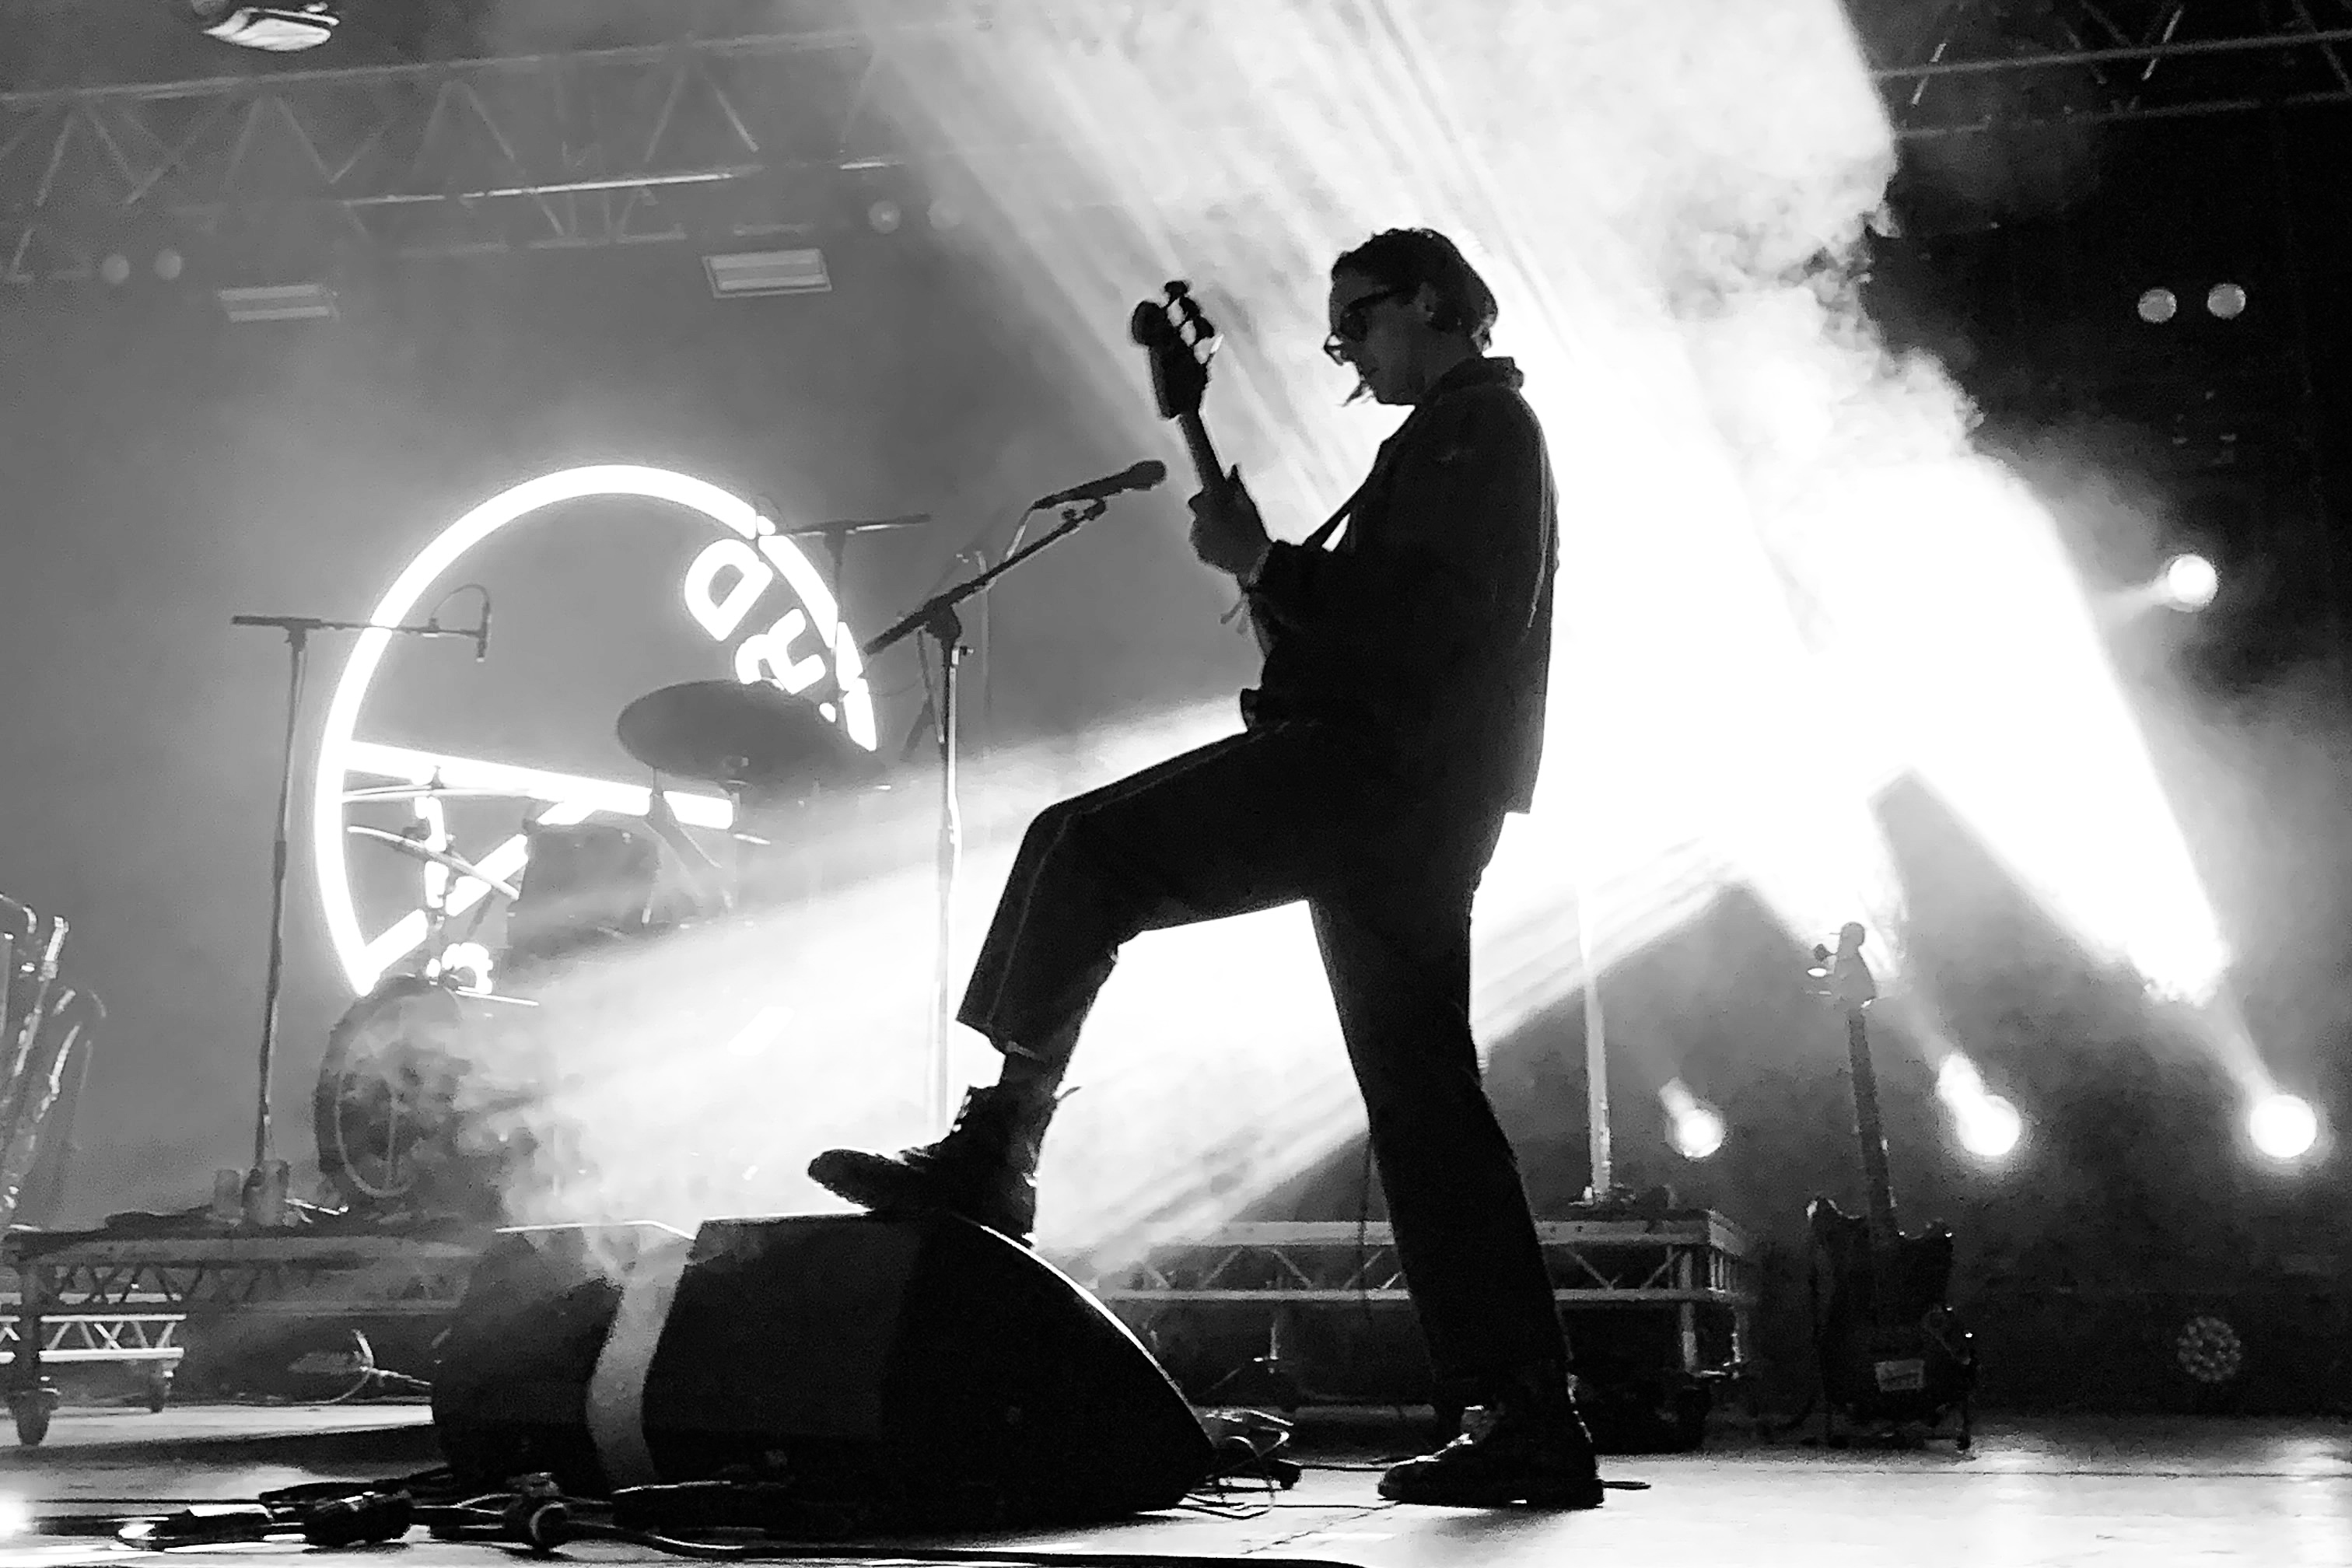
[1352,324]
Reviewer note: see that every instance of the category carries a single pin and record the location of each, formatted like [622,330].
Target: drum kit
[391,1126]
[391,1107]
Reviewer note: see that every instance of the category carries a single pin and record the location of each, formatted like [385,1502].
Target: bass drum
[395,1133]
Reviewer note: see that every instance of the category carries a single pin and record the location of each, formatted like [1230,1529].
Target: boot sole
[846,1177]
[880,1190]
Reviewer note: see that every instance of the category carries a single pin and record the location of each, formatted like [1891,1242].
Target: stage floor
[2074,1493]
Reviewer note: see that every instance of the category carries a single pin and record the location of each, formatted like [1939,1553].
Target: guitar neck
[1872,1134]
[1206,464]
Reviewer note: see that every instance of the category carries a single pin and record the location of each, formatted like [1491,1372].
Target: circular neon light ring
[728,511]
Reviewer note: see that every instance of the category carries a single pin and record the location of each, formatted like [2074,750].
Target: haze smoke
[1787,580]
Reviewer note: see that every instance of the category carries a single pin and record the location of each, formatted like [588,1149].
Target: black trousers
[1283,813]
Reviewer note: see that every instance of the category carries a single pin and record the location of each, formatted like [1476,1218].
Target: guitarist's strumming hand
[1227,533]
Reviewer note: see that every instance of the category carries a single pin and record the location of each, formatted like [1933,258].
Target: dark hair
[1409,258]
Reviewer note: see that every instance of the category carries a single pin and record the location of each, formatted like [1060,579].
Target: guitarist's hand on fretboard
[1227,532]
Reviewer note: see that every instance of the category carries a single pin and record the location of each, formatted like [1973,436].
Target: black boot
[985,1169]
[1526,1444]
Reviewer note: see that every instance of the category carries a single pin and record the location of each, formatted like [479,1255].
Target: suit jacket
[1427,629]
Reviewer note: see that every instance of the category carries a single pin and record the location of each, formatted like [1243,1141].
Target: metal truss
[1609,1262]
[1957,67]
[308,1275]
[731,138]
[741,139]
[117,1336]
[89,1300]
[1688,1264]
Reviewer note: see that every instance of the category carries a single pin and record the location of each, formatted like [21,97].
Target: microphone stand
[936,618]
[298,630]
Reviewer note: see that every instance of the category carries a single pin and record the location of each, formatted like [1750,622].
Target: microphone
[482,632]
[1141,477]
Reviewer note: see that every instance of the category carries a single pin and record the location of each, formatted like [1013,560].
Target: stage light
[2189,582]
[281,30]
[2283,1126]
[1699,1134]
[1697,1127]
[2158,306]
[1990,1128]
[1987,1125]
[2209,1349]
[115,269]
[886,215]
[16,1517]
[2226,300]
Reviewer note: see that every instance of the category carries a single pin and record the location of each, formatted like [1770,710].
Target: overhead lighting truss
[714,141]
[1960,67]
[745,142]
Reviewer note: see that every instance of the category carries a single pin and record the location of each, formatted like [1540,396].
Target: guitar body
[1891,1356]
[1902,1362]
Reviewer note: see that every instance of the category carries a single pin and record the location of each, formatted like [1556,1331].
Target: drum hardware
[443,857]
[382,794]
[837,535]
[436,903]
[586,886]
[389,1112]
[763,746]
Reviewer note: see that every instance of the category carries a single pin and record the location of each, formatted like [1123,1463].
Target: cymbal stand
[836,535]
[299,630]
[936,618]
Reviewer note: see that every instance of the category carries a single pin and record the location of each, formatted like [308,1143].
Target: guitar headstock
[1180,342]
[1843,976]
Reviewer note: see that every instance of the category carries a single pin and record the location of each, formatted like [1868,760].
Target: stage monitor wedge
[921,1372]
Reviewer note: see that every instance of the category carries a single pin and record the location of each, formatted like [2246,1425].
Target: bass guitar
[1891,1356]
[1179,340]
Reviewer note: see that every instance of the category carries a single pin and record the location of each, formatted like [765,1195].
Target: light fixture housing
[281,30]
[750,274]
[278,302]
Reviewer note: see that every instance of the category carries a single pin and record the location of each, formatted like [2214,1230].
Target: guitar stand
[1902,1437]
[1897,1434]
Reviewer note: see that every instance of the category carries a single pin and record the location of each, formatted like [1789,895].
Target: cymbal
[457,863]
[754,737]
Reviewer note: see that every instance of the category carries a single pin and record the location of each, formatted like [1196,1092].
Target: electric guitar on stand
[1891,1356]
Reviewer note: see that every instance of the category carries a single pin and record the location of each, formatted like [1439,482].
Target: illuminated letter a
[719,617]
